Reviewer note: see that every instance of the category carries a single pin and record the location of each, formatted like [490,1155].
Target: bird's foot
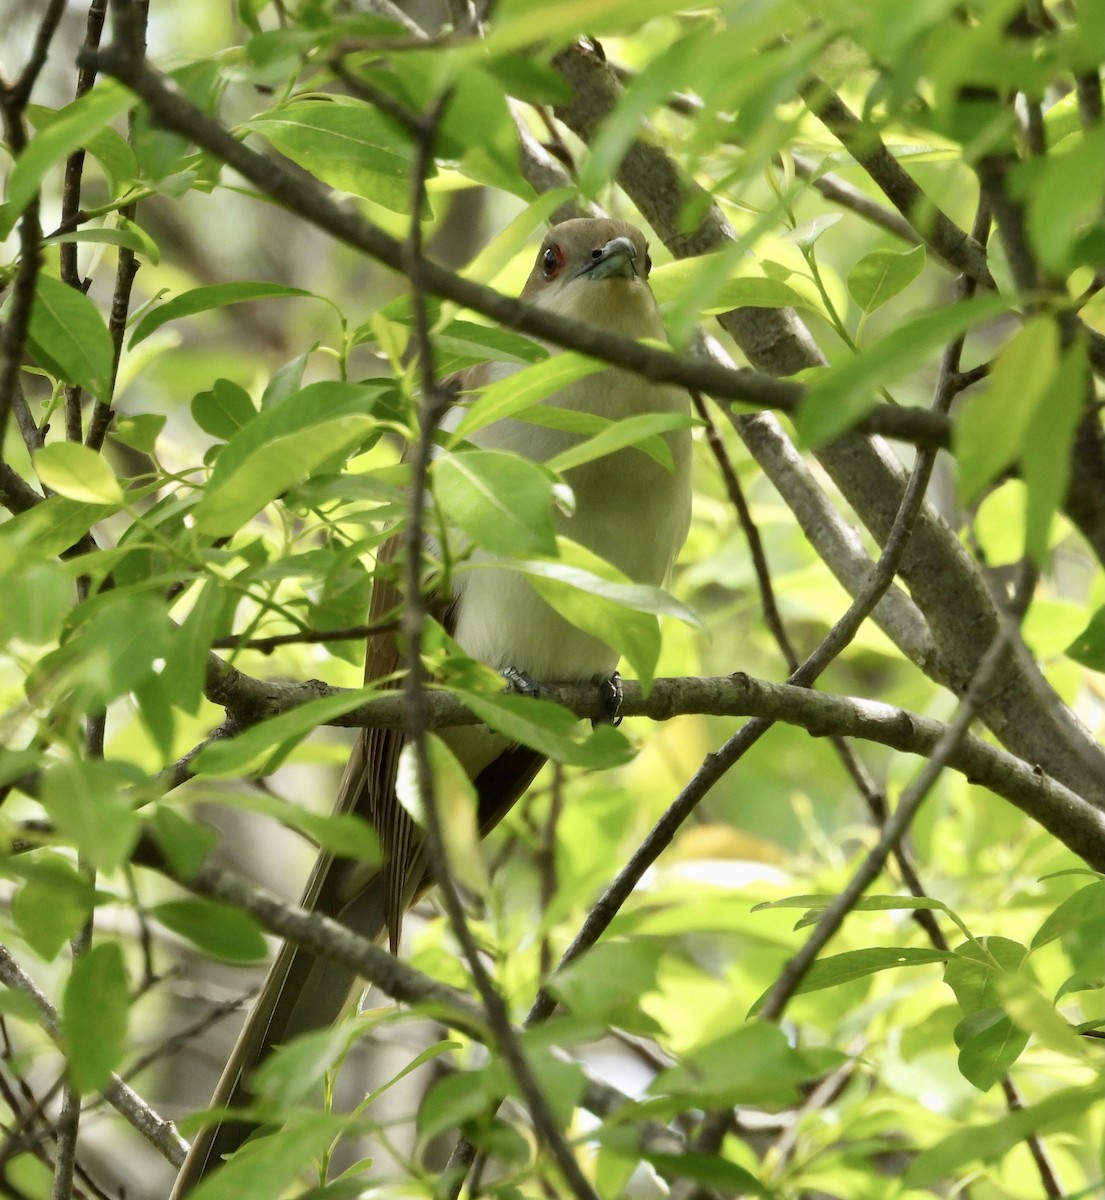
[519,682]
[610,698]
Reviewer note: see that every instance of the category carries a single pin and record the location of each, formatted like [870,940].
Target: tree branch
[314,203]
[1073,820]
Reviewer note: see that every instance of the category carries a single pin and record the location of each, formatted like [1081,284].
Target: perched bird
[629,510]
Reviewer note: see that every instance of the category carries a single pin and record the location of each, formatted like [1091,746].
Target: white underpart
[629,509]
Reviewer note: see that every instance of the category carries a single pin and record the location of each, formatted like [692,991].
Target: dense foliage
[861,952]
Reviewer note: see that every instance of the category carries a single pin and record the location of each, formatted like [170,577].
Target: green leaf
[521,389]
[184,843]
[53,904]
[91,804]
[354,148]
[464,343]
[839,397]
[520,23]
[606,984]
[52,527]
[1063,191]
[992,428]
[287,1078]
[986,1143]
[989,1044]
[36,600]
[618,435]
[203,299]
[78,473]
[128,235]
[552,730]
[112,652]
[453,1100]
[882,274]
[140,432]
[68,337]
[343,834]
[280,447]
[600,606]
[1034,1013]
[524,77]
[807,234]
[72,127]
[477,129]
[1046,452]
[502,502]
[755,1064]
[267,1166]
[855,964]
[817,903]
[457,805]
[223,410]
[710,1170]
[1085,905]
[594,597]
[283,732]
[750,291]
[976,969]
[189,644]
[219,930]
[94,1012]
[1088,648]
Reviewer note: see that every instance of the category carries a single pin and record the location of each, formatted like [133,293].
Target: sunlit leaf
[882,274]
[71,128]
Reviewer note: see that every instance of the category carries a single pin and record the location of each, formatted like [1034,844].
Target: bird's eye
[552,259]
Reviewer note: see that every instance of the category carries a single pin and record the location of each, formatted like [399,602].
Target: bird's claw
[610,698]
[519,682]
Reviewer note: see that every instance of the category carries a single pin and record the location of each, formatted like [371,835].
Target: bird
[629,509]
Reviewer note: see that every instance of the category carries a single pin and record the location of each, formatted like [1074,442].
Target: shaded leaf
[92,805]
[991,429]
[94,1014]
[282,732]
[219,930]
[204,299]
[989,1044]
[68,337]
[1088,648]
[223,410]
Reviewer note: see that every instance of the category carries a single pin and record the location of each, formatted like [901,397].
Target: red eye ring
[552,259]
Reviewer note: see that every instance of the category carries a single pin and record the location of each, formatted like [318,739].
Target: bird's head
[596,270]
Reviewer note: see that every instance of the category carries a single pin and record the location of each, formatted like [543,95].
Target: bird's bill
[617,259]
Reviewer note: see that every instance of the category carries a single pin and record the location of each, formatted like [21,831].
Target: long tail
[301,993]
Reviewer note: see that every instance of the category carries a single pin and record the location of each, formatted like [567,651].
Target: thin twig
[158,1132]
[312,202]
[434,405]
[833,917]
